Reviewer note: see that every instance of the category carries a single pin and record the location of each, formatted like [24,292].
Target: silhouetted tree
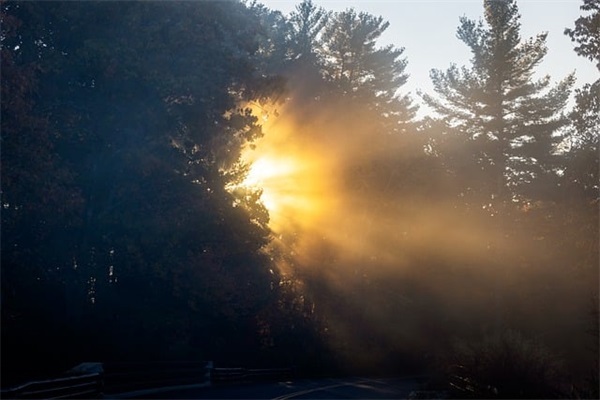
[511,123]
[586,33]
[358,69]
[582,167]
[119,128]
[306,26]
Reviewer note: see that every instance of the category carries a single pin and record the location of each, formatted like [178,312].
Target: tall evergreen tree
[582,167]
[510,120]
[288,46]
[587,32]
[356,68]
[307,22]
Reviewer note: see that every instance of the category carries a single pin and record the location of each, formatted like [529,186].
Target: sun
[289,174]
[270,174]
[289,186]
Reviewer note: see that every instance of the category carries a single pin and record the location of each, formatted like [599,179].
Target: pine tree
[586,116]
[510,120]
[306,25]
[587,32]
[304,28]
[356,68]
[582,165]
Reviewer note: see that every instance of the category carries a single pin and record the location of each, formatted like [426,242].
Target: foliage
[358,69]
[587,32]
[307,23]
[506,365]
[582,167]
[510,122]
[115,149]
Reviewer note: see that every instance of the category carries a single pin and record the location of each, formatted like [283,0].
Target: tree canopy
[511,121]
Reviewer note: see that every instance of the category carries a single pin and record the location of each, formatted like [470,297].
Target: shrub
[505,365]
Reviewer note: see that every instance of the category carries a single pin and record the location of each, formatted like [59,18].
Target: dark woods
[123,123]
[119,240]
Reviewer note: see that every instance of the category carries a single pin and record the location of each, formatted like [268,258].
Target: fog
[392,257]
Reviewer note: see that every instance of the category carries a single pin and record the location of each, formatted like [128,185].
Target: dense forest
[397,244]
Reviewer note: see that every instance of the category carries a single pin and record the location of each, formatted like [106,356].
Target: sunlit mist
[289,173]
[267,174]
[349,209]
[307,173]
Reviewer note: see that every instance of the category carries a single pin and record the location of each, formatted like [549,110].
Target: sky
[427,31]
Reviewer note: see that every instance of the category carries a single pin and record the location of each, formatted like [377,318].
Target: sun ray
[289,173]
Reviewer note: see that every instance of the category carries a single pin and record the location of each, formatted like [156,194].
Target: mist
[397,263]
[214,183]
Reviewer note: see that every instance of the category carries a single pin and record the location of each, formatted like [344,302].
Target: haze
[394,189]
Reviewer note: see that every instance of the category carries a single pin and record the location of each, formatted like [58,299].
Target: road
[349,388]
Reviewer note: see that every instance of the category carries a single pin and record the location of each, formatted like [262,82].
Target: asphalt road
[350,388]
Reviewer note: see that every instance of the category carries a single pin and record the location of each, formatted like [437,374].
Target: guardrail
[126,377]
[72,387]
[93,380]
[223,375]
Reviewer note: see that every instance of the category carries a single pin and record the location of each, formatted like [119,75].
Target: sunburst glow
[290,174]
[327,207]
[269,174]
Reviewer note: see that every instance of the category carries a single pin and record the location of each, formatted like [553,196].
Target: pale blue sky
[427,31]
